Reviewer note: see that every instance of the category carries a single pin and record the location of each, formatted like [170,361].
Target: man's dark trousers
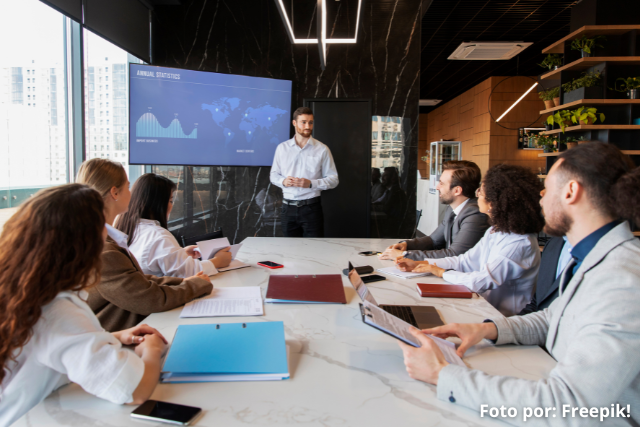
[302,221]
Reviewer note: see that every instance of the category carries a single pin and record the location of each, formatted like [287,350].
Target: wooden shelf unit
[590,30]
[591,127]
[584,63]
[592,102]
[557,153]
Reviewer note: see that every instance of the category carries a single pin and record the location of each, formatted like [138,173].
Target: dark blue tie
[568,273]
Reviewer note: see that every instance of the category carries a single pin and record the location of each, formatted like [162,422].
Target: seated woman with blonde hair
[153,245]
[49,255]
[503,265]
[125,295]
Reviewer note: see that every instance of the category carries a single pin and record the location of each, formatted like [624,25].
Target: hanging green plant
[551,61]
[586,116]
[561,118]
[588,79]
[587,44]
[628,83]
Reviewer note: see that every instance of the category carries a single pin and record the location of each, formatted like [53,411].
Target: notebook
[436,290]
[227,352]
[306,289]
[401,274]
[234,265]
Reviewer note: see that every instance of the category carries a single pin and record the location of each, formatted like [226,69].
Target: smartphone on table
[270,264]
[373,278]
[165,412]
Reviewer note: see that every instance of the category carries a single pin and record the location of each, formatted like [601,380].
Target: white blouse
[68,345]
[159,253]
[502,267]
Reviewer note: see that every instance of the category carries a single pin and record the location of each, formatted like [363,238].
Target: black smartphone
[373,278]
[369,253]
[166,412]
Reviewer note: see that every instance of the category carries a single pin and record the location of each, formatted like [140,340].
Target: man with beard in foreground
[303,167]
[592,329]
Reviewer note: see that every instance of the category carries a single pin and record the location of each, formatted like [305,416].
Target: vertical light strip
[516,103]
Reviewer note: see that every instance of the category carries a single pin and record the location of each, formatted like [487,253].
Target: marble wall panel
[248,37]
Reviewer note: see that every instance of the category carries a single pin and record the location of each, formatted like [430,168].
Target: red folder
[325,288]
[434,290]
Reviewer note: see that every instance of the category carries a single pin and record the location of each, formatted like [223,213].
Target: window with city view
[33,125]
[106,69]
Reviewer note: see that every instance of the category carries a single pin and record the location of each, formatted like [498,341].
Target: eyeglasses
[479,192]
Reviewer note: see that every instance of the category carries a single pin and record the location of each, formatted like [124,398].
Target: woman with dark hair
[125,295]
[48,334]
[155,248]
[503,265]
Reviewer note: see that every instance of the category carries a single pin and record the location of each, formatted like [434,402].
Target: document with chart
[241,301]
[376,317]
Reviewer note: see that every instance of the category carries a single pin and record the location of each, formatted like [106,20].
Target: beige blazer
[125,295]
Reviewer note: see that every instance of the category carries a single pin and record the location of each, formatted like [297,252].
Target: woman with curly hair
[503,265]
[49,254]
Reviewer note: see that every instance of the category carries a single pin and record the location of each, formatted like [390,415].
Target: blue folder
[227,352]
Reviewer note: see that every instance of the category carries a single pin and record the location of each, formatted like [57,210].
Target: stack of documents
[227,352]
[242,301]
[208,249]
[401,274]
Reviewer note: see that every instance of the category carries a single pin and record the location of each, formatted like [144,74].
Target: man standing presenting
[303,167]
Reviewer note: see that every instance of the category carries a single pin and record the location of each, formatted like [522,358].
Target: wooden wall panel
[466,118]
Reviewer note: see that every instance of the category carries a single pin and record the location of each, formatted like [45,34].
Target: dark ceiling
[447,23]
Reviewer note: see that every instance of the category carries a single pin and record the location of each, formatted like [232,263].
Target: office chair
[418,216]
[188,241]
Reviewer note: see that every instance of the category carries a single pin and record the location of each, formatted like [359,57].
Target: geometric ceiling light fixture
[321,24]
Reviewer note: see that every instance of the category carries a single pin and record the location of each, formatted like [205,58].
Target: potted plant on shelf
[547,97]
[584,87]
[586,45]
[547,143]
[571,142]
[551,62]
[582,140]
[555,95]
[561,118]
[631,85]
[586,116]
[547,126]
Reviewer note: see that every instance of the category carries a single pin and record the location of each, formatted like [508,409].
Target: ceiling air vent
[488,51]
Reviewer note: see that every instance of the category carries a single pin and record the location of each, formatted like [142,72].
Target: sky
[34,31]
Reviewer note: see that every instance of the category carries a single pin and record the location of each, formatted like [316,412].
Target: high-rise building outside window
[33,136]
[100,57]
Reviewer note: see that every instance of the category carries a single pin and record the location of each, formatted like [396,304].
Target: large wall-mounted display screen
[184,117]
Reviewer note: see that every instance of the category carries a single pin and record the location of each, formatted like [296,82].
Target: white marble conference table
[343,373]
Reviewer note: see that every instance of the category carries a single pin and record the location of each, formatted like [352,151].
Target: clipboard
[381,320]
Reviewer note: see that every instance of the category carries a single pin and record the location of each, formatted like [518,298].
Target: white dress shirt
[68,345]
[502,267]
[461,206]
[313,162]
[160,254]
[118,236]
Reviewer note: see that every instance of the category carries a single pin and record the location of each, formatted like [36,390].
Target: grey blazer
[468,228]
[592,329]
